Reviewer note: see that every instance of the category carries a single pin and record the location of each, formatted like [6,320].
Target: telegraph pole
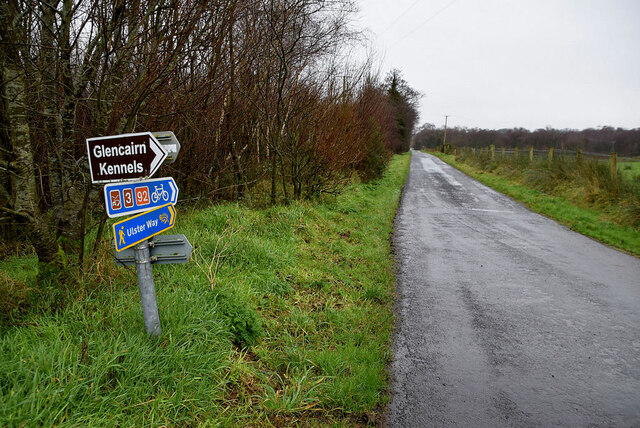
[446,117]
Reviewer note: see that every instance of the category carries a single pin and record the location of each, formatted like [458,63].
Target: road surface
[506,318]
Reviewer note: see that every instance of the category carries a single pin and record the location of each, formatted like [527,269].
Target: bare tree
[259,92]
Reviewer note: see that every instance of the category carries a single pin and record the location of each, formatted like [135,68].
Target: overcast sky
[506,63]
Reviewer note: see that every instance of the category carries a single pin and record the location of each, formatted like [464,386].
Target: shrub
[243,321]
[376,159]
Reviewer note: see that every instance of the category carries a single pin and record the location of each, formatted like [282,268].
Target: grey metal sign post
[147,289]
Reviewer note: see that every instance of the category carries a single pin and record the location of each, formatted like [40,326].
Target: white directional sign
[124,157]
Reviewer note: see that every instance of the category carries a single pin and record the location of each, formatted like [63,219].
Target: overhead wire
[424,22]
[400,16]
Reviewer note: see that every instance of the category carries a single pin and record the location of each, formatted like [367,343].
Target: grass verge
[282,317]
[566,206]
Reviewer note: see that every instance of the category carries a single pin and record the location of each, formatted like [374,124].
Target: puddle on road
[430,166]
[491,211]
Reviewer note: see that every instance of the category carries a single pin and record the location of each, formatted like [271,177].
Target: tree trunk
[24,195]
[273,177]
[51,260]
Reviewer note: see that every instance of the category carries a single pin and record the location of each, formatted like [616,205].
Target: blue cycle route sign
[132,197]
[136,229]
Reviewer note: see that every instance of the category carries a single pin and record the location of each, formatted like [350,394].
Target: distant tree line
[259,92]
[625,142]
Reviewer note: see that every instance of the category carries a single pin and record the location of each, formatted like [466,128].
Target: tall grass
[284,319]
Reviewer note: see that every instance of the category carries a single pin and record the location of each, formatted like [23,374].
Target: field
[282,317]
[630,170]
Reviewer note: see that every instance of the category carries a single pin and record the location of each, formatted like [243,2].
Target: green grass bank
[282,317]
[584,198]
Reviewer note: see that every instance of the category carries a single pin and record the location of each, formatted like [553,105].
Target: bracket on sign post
[170,143]
[163,249]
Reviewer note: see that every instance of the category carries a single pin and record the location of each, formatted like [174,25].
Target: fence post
[579,156]
[515,153]
[493,152]
[613,161]
[550,159]
[531,154]
[503,153]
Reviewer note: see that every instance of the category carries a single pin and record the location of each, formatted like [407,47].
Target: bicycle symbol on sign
[158,193]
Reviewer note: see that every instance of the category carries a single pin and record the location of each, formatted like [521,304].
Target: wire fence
[550,155]
[544,153]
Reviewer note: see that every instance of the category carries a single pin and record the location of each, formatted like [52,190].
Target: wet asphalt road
[506,318]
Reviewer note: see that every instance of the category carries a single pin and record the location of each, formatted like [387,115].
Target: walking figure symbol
[121,234]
